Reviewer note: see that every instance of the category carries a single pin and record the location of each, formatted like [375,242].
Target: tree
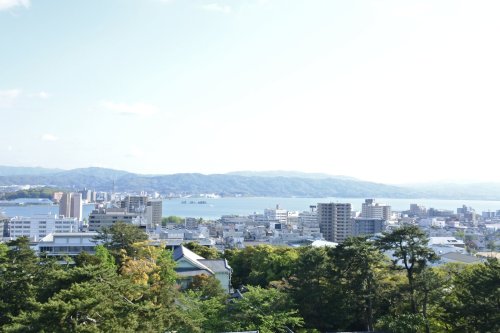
[203,251]
[207,286]
[19,268]
[308,282]
[472,303]
[121,236]
[409,247]
[172,219]
[356,265]
[260,265]
[266,310]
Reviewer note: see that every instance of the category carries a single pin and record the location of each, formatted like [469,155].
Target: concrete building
[135,203]
[335,221]
[276,214]
[70,205]
[374,210]
[39,226]
[106,217]
[368,226]
[154,212]
[66,244]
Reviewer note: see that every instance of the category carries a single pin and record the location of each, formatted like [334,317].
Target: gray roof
[465,258]
[216,265]
[182,251]
[210,266]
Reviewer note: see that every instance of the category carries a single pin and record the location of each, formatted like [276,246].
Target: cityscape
[249,166]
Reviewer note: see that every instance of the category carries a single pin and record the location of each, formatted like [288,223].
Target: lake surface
[215,208]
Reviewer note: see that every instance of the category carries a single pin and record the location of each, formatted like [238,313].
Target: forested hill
[244,184]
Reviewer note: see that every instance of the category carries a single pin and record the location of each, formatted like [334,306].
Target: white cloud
[7,97]
[49,137]
[8,4]
[139,109]
[42,95]
[135,152]
[215,7]
[11,93]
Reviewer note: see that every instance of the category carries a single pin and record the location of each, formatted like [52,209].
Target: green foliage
[409,247]
[266,310]
[472,302]
[260,265]
[347,288]
[403,323]
[105,258]
[121,236]
[204,251]
[19,270]
[356,266]
[207,287]
[172,219]
[35,193]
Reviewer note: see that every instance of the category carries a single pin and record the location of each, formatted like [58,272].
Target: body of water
[215,208]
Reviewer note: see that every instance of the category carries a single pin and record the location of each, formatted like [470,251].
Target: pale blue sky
[388,91]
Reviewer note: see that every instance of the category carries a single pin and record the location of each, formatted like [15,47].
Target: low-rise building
[38,226]
[66,244]
[189,265]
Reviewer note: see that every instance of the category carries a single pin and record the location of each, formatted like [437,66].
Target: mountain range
[242,183]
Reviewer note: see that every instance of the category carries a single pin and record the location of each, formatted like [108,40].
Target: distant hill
[288,174]
[272,183]
[16,171]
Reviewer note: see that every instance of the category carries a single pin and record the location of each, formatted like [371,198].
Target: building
[309,225]
[335,221]
[417,210]
[39,226]
[154,212]
[373,210]
[4,225]
[67,244]
[189,265]
[70,205]
[135,203]
[106,217]
[276,214]
[368,226]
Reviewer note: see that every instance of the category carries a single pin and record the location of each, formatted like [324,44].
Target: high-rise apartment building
[374,210]
[135,203]
[70,205]
[154,212]
[335,221]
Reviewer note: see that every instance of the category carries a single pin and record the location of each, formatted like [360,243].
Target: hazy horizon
[384,91]
[277,172]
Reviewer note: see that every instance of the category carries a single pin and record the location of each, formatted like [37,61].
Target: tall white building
[335,221]
[276,214]
[374,210]
[39,226]
[70,205]
[154,212]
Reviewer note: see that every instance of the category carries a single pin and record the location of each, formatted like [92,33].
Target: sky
[385,91]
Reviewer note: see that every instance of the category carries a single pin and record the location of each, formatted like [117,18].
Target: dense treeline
[129,286]
[35,193]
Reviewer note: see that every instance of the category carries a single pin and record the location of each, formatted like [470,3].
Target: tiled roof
[216,265]
[455,256]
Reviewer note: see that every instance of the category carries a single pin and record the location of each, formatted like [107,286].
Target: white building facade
[39,226]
